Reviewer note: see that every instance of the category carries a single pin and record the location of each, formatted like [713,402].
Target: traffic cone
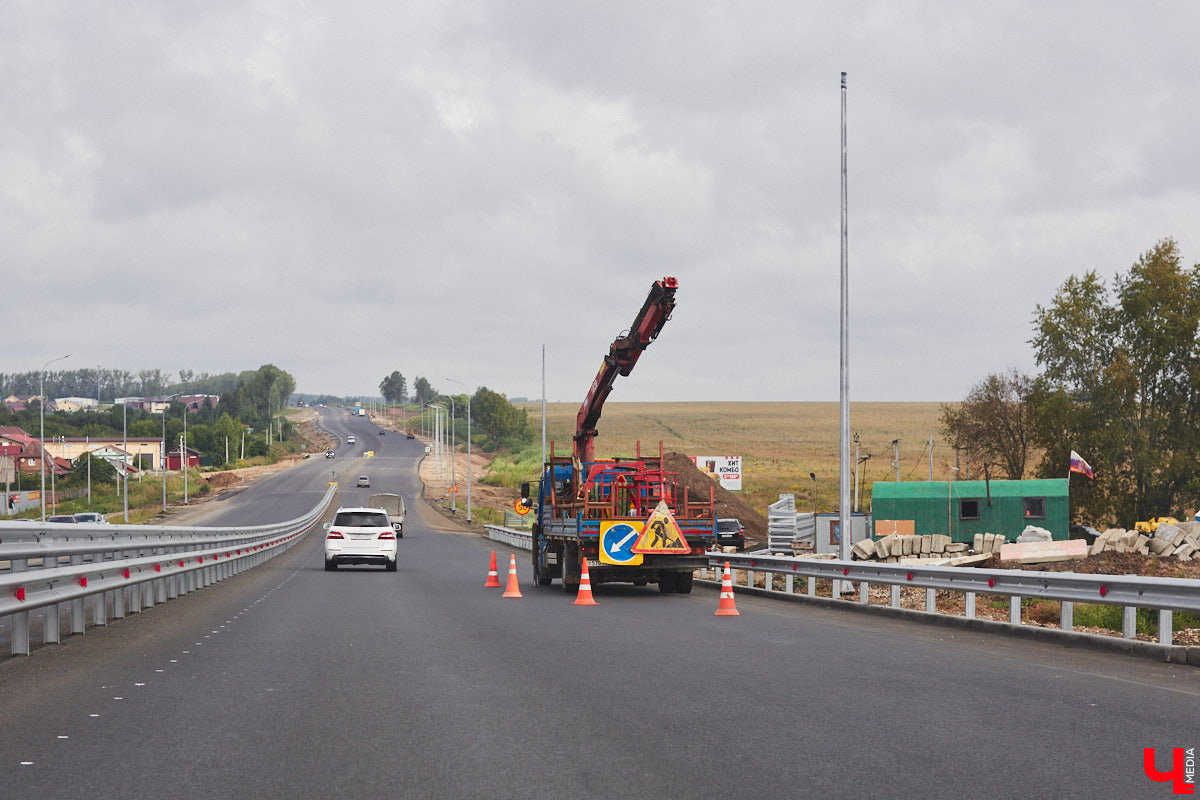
[493,579]
[585,589]
[726,608]
[514,583]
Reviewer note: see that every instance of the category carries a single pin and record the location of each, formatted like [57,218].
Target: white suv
[360,536]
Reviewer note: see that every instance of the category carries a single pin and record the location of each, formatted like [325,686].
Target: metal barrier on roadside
[129,567]
[1130,592]
[510,537]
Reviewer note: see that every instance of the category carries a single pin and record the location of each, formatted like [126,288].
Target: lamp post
[453,459]
[125,453]
[42,424]
[183,454]
[162,463]
[460,383]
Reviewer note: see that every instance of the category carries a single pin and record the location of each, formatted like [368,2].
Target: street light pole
[42,424]
[183,454]
[162,464]
[460,383]
[453,466]
[125,453]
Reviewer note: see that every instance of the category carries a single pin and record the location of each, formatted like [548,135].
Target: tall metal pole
[125,453]
[453,459]
[42,425]
[468,393]
[162,463]
[844,394]
[543,409]
[183,454]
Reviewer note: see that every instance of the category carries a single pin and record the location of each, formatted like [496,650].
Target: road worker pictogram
[661,534]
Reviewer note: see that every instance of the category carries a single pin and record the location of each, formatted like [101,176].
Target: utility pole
[844,400]
[896,458]
[931,458]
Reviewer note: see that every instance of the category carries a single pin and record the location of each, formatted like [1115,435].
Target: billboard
[725,469]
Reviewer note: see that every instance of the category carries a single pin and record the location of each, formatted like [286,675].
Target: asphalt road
[291,682]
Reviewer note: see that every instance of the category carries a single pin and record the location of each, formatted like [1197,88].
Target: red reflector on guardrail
[846,571]
[83,581]
[181,564]
[909,576]
[20,593]
[126,573]
[1103,591]
[158,567]
[991,582]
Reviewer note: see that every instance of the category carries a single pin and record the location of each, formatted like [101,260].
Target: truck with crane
[626,516]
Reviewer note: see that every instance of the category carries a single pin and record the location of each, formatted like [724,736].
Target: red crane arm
[622,355]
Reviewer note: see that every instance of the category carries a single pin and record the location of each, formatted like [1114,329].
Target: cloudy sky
[344,189]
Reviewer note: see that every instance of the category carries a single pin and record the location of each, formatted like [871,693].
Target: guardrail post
[969,605]
[78,624]
[931,600]
[1165,632]
[1066,617]
[160,589]
[864,592]
[119,603]
[789,584]
[895,595]
[20,633]
[1014,609]
[100,608]
[749,579]
[148,594]
[50,625]
[811,591]
[134,604]
[1129,622]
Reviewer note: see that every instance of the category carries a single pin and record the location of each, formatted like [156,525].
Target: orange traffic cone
[493,579]
[726,608]
[585,589]
[514,583]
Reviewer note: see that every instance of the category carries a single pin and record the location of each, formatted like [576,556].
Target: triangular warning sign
[661,534]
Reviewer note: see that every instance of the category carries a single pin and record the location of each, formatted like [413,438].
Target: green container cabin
[962,509]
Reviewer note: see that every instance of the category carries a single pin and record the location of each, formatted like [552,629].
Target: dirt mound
[222,479]
[727,503]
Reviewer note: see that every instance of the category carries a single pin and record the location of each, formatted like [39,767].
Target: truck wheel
[683,582]
[666,582]
[572,569]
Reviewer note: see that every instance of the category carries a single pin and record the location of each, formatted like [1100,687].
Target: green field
[780,443]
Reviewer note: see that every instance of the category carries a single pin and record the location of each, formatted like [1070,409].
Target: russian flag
[1079,465]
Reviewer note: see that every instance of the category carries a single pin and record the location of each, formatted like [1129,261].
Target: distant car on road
[350,439]
[330,454]
[382,432]
[360,536]
[409,435]
[61,518]
[730,532]
[364,481]
[91,516]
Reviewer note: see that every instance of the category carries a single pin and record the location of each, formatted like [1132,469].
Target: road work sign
[616,543]
[661,534]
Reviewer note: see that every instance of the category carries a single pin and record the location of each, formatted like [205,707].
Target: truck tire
[666,582]
[539,575]
[572,569]
[683,582]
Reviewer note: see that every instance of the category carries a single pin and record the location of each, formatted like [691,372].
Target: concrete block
[1183,552]
[1037,552]
[977,543]
[956,547]
[1140,541]
[989,541]
[967,561]
[1144,550]
[1098,546]
[1129,538]
[1159,546]
[926,545]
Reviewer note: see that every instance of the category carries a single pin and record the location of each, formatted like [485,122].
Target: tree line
[108,384]
[243,414]
[501,423]
[1119,384]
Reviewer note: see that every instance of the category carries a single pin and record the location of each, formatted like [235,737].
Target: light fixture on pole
[42,424]
[460,383]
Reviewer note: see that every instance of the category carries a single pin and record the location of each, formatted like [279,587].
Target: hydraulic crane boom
[622,355]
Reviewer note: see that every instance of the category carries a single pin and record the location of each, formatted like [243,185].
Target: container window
[1035,508]
[968,508]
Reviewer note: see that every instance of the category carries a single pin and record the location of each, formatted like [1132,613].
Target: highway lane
[288,681]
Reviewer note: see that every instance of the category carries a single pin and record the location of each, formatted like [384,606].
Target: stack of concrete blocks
[1180,541]
[893,548]
[1119,540]
[988,543]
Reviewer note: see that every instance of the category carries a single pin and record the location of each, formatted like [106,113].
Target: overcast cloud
[346,189]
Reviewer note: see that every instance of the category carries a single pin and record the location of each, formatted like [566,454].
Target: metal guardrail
[1129,591]
[510,537]
[129,566]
